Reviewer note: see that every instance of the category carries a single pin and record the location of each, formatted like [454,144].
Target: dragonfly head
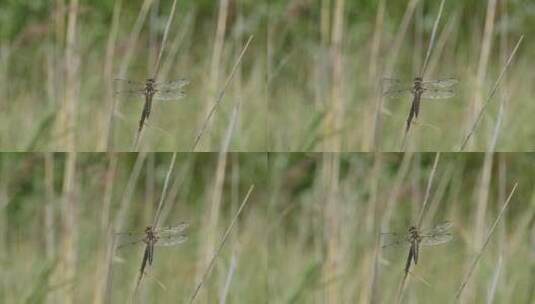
[150,81]
[148,229]
[418,79]
[412,229]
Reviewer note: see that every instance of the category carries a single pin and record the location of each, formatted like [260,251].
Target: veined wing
[128,238]
[438,228]
[173,229]
[440,83]
[437,235]
[128,87]
[437,239]
[171,240]
[171,84]
[437,93]
[394,88]
[439,89]
[392,239]
[172,235]
[170,90]
[168,95]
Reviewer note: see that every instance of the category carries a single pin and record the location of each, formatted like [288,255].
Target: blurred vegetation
[298,221]
[284,81]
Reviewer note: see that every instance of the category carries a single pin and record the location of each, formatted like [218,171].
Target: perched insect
[151,90]
[164,236]
[437,235]
[420,89]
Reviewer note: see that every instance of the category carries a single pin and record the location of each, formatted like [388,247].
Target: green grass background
[307,234]
[284,82]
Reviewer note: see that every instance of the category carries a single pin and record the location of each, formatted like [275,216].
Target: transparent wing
[438,93]
[172,84]
[441,227]
[128,238]
[393,239]
[440,83]
[128,87]
[173,229]
[394,88]
[439,89]
[436,239]
[171,241]
[166,95]
[437,235]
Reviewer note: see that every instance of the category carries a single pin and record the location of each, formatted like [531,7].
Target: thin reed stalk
[480,253]
[156,68]
[220,97]
[475,123]
[428,191]
[432,40]
[217,54]
[156,221]
[212,219]
[123,65]
[106,143]
[69,228]
[164,40]
[484,56]
[423,208]
[331,264]
[102,273]
[220,247]
[335,115]
[373,72]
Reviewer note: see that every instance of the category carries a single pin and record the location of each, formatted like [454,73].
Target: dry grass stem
[221,244]
[492,92]
[428,191]
[432,40]
[480,253]
[156,221]
[220,97]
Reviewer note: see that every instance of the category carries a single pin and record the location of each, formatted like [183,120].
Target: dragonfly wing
[440,83]
[437,235]
[171,85]
[126,239]
[168,95]
[174,229]
[392,240]
[131,93]
[171,241]
[438,93]
[438,228]
[128,87]
[394,88]
[437,239]
[128,83]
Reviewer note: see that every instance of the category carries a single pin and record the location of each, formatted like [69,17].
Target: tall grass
[309,233]
[309,84]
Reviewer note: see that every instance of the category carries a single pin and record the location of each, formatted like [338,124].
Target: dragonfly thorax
[150,234]
[413,234]
[417,87]
[149,87]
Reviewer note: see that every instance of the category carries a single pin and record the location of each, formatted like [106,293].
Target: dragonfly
[420,89]
[437,235]
[151,237]
[151,90]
